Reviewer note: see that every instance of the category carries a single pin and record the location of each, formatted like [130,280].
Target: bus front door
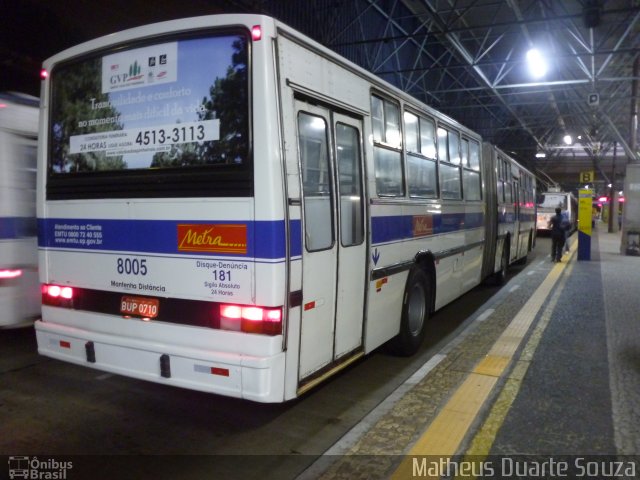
[334,249]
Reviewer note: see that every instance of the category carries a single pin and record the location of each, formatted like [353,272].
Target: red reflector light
[64,344]
[253,314]
[43,74]
[224,372]
[251,319]
[10,273]
[231,311]
[53,291]
[57,296]
[56,291]
[256,33]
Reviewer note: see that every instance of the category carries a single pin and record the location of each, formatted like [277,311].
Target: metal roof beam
[422,7]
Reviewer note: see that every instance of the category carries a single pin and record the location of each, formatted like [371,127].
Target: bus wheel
[415,312]
[501,275]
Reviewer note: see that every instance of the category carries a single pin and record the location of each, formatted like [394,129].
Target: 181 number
[221,275]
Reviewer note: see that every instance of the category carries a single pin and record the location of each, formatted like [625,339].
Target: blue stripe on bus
[387,229]
[265,239]
[509,217]
[12,228]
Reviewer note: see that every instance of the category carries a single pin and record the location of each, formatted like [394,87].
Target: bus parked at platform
[226,205]
[19,285]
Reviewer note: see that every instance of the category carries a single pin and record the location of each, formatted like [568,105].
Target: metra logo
[221,238]
[422,225]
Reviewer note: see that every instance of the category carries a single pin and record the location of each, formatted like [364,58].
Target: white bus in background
[547,204]
[19,286]
[226,205]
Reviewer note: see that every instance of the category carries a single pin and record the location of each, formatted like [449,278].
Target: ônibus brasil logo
[35,469]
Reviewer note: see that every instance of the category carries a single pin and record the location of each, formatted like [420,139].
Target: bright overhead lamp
[537,65]
[541,155]
[567,139]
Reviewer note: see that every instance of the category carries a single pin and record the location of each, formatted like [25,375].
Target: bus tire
[415,313]
[501,275]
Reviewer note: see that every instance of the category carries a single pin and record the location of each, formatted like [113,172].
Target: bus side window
[500,179]
[420,143]
[449,160]
[508,195]
[387,153]
[471,175]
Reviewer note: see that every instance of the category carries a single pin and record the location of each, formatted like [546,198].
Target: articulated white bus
[226,205]
[19,285]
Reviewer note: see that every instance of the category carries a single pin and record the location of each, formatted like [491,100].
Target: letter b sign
[586,177]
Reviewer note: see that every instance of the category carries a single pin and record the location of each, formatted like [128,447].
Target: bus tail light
[248,319]
[57,296]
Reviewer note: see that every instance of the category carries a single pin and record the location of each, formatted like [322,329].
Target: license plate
[140,306]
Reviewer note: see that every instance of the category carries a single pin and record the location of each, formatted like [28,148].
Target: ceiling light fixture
[537,65]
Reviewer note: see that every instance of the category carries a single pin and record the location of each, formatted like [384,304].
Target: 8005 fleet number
[132,266]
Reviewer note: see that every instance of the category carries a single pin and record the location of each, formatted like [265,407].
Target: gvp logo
[135,73]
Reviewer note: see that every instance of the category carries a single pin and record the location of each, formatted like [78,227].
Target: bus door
[515,253]
[334,251]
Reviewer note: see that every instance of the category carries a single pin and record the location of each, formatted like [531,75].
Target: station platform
[546,376]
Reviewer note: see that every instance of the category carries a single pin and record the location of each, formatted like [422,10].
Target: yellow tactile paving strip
[449,399]
[445,434]
[484,438]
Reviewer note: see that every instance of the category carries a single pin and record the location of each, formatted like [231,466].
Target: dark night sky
[33,30]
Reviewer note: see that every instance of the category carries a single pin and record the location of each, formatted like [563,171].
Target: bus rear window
[152,117]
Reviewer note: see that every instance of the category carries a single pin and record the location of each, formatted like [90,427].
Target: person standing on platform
[557,235]
[566,226]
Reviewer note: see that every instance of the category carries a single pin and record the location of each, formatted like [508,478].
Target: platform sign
[585,206]
[587,176]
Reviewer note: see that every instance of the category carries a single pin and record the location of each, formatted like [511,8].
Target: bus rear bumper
[260,379]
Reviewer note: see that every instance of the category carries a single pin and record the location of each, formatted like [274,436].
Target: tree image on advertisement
[74,88]
[228,101]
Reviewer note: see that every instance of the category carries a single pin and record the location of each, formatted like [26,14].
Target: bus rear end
[161,227]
